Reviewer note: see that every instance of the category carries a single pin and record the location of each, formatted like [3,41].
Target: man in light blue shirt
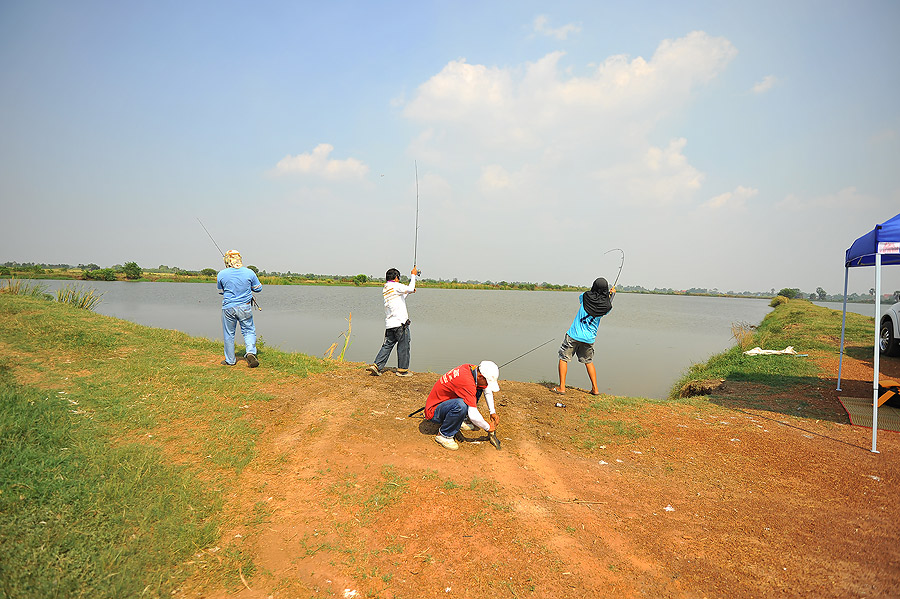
[579,339]
[235,283]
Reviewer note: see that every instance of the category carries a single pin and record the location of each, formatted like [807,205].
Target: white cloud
[552,122]
[544,150]
[560,33]
[659,176]
[540,96]
[732,199]
[839,217]
[845,200]
[318,163]
[767,83]
[494,177]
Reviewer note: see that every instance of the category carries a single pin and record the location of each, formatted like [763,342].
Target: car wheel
[888,345]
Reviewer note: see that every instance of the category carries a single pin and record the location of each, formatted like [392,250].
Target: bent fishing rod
[620,265]
[499,367]
[253,301]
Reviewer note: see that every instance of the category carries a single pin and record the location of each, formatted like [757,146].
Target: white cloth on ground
[757,351]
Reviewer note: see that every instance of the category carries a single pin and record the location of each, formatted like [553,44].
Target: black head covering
[597,301]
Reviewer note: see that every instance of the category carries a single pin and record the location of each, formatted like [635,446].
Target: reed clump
[79,297]
[15,286]
[743,332]
[329,353]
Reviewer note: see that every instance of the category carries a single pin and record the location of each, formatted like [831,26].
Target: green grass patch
[80,516]
[368,498]
[810,329]
[594,431]
[388,491]
[94,412]
[611,419]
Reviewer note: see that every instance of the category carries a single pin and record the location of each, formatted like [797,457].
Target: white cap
[491,373]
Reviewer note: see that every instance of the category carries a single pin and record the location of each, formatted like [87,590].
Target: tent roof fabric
[885,236]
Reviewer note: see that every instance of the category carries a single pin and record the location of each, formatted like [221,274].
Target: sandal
[557,391]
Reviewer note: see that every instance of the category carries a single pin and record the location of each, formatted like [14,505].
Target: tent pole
[843,325]
[877,352]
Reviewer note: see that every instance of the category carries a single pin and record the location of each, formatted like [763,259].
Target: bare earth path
[743,494]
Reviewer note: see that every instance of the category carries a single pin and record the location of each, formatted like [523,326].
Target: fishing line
[498,368]
[526,353]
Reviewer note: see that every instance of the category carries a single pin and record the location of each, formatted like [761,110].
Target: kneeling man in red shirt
[453,401]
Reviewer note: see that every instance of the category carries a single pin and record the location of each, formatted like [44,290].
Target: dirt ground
[746,493]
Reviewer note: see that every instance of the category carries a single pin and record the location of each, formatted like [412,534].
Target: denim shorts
[571,347]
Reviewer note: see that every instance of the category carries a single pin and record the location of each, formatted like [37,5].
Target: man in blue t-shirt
[580,337]
[235,283]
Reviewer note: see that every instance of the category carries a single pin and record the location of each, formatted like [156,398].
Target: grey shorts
[570,347]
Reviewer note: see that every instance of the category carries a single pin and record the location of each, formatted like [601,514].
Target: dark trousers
[398,336]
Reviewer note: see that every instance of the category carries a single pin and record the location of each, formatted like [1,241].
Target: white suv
[889,332]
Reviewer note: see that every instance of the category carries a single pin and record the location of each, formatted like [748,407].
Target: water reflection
[642,347]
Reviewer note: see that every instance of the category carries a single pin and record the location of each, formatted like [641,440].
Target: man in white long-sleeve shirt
[453,401]
[396,323]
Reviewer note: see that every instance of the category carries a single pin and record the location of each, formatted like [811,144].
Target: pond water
[642,347]
[864,309]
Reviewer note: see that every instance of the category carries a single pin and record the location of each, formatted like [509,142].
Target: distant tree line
[132,271]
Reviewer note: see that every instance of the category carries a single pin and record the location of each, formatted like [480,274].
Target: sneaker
[446,442]
[225,363]
[374,370]
[404,373]
[467,426]
[252,361]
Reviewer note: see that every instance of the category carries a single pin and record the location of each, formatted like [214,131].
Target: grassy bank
[810,329]
[116,443]
[119,441]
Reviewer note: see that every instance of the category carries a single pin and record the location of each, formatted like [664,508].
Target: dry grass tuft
[329,353]
[743,332]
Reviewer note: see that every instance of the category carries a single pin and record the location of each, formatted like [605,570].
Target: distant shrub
[789,292]
[268,280]
[132,271]
[778,300]
[209,272]
[104,274]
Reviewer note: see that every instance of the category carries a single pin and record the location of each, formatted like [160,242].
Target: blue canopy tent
[879,246]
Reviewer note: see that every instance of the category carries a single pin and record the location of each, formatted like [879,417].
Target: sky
[737,146]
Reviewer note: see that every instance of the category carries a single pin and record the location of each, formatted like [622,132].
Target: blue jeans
[230,317]
[450,414]
[398,336]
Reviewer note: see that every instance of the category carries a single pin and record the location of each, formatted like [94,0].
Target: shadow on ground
[807,397]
